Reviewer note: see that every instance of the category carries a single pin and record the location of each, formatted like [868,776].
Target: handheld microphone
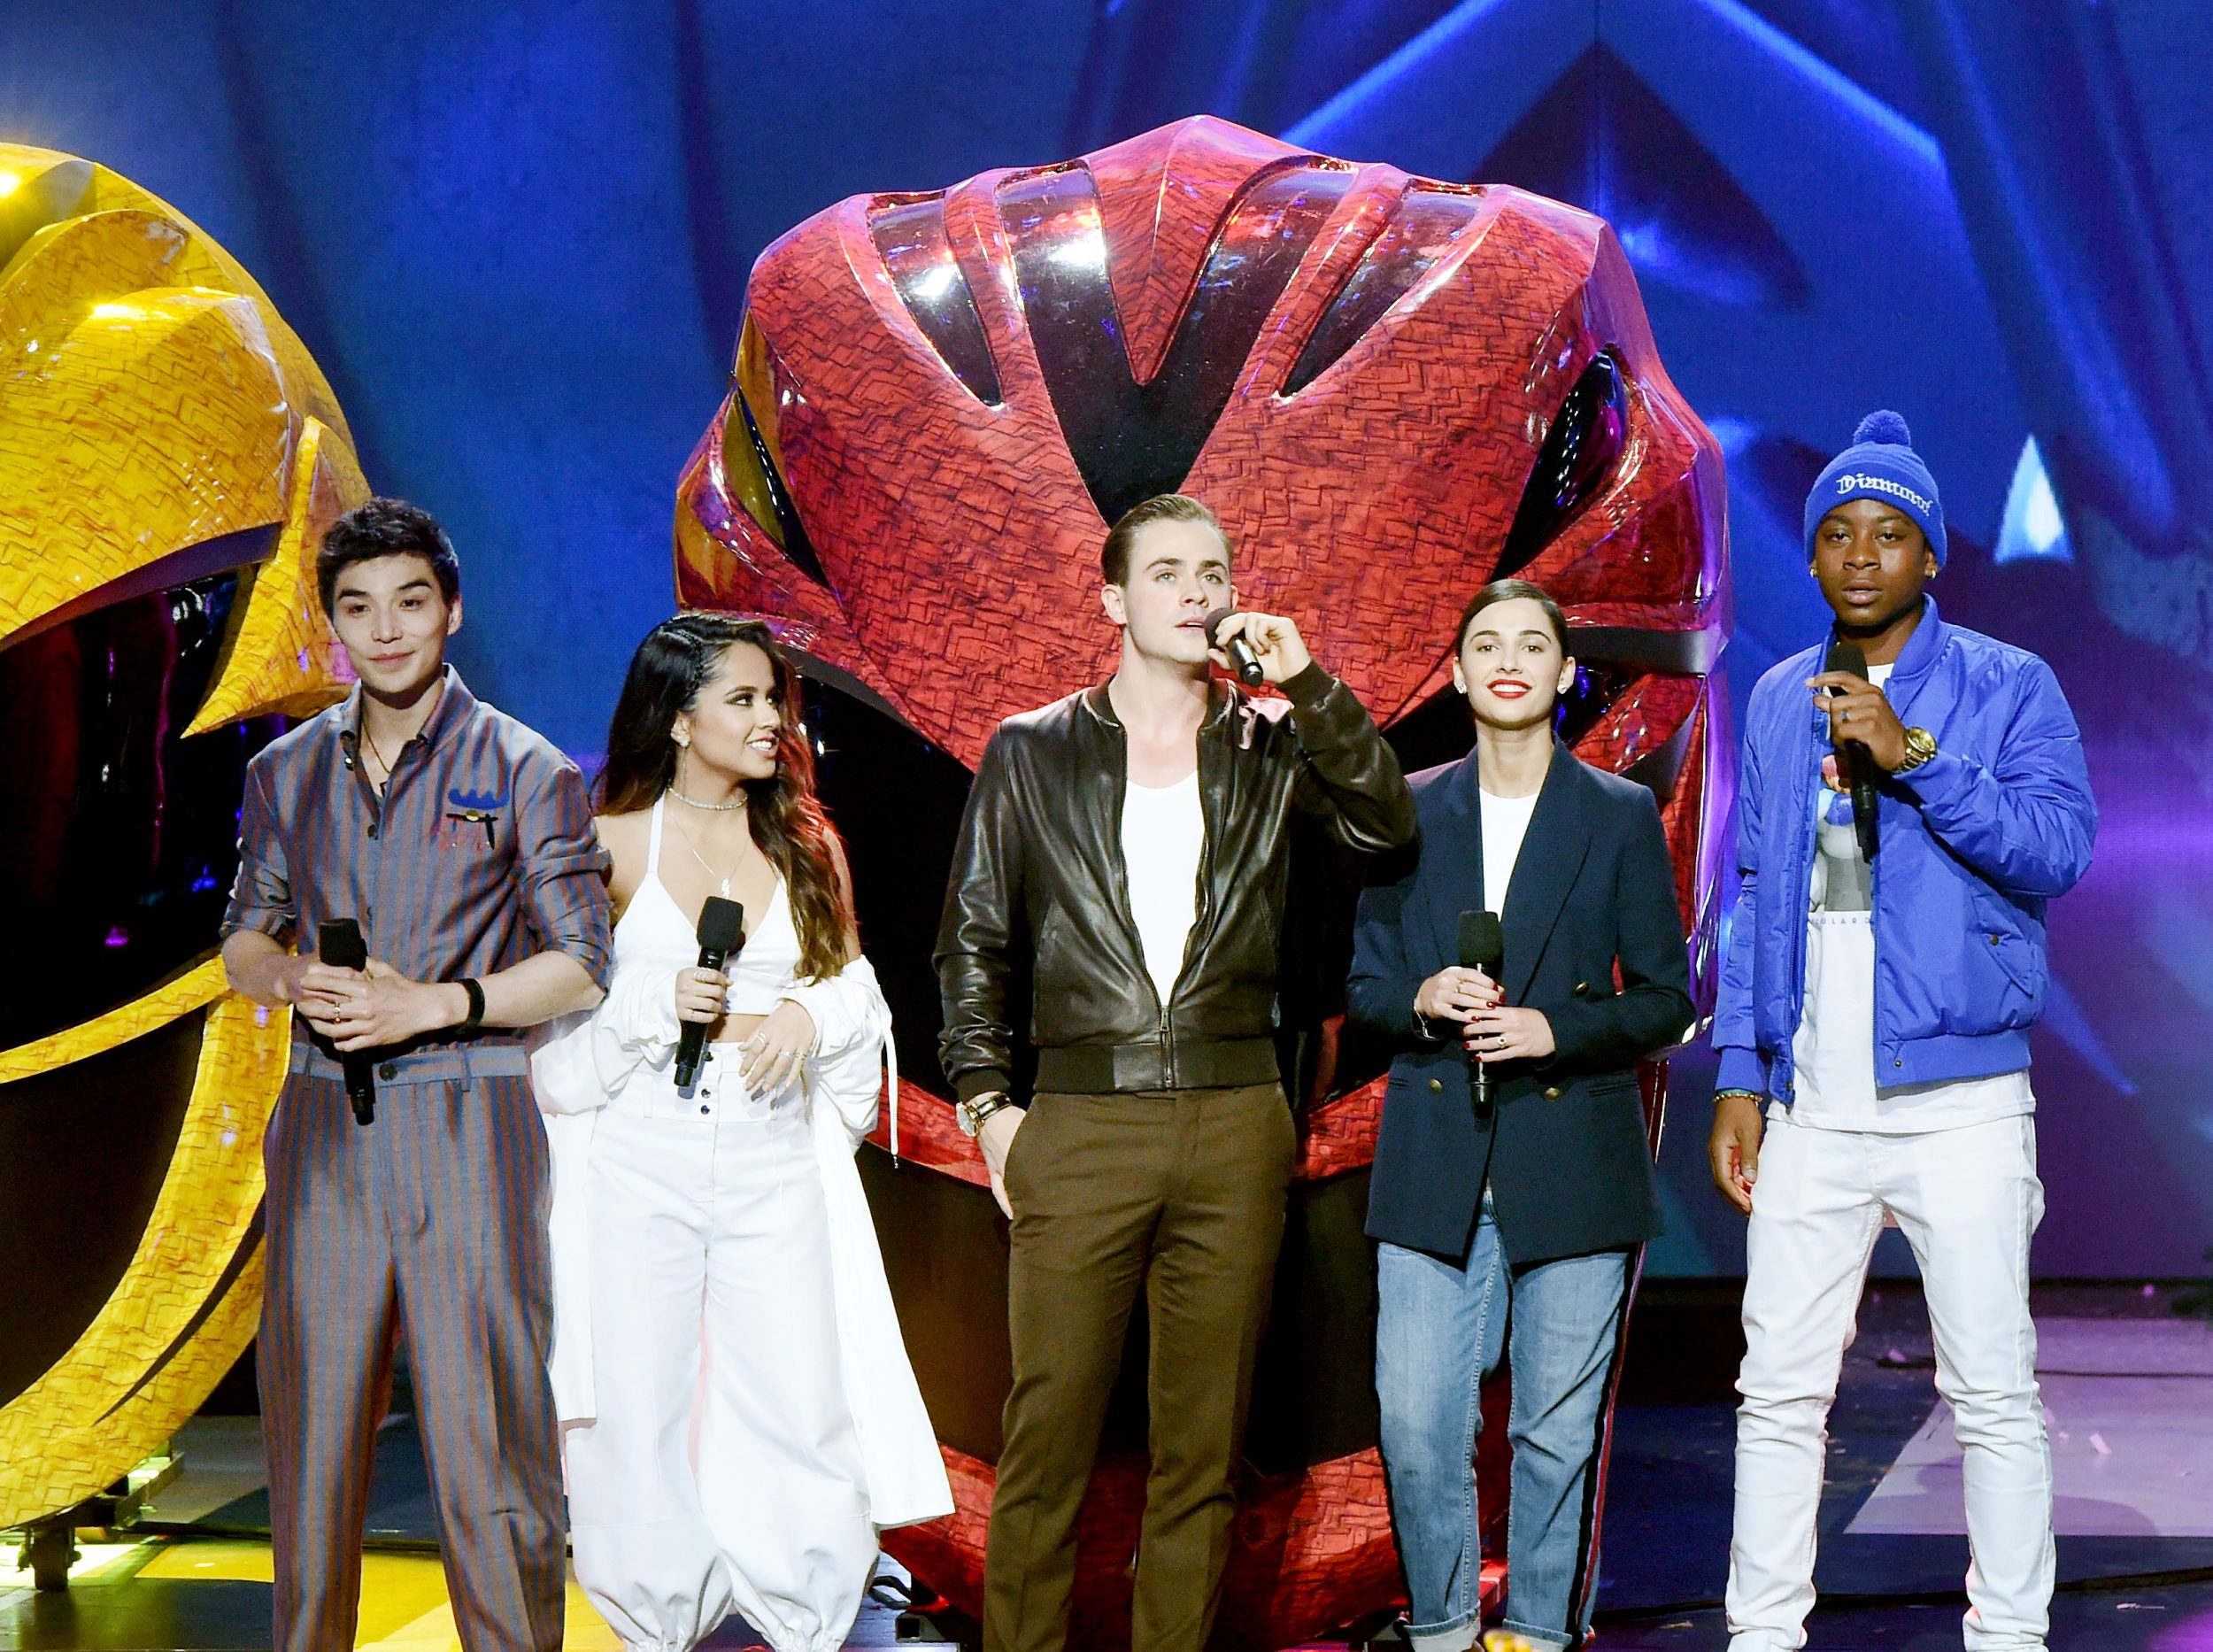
[1243,660]
[722,932]
[339,943]
[1482,946]
[1856,761]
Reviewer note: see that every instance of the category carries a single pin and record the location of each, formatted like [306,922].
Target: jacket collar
[1921,649]
[1926,643]
[1553,852]
[1551,856]
[1915,661]
[1221,699]
[455,703]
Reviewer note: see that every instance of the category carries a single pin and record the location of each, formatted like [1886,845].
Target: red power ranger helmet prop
[1390,390]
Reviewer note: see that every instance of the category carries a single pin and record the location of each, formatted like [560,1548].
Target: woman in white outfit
[739,1417]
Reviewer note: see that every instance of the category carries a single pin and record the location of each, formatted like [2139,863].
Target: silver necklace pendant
[722,879]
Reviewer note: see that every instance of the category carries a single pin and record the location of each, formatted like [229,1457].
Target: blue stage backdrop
[516,236]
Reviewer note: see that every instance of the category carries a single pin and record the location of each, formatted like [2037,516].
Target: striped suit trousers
[430,1224]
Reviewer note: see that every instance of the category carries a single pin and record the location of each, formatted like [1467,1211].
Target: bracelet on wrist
[1752,1096]
[475,1019]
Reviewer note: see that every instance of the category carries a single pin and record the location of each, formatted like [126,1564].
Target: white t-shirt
[1504,823]
[1163,836]
[1833,1050]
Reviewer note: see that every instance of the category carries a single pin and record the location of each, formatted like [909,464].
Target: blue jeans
[1440,1327]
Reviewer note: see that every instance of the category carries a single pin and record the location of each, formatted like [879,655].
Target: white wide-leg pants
[1967,1200]
[720,1470]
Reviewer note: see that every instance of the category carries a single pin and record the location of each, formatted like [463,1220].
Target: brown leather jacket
[1039,868]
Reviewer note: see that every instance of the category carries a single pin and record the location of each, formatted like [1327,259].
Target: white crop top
[622,1052]
[652,933]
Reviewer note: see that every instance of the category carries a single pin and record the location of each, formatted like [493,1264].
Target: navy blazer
[1564,1148]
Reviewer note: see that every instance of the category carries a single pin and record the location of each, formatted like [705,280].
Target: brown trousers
[1182,1195]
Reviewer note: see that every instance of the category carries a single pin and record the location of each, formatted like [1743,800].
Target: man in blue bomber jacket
[1876,1010]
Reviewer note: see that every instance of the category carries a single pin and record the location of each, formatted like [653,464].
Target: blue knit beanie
[1881,463]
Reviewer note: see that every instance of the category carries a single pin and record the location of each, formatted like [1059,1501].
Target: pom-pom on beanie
[1881,463]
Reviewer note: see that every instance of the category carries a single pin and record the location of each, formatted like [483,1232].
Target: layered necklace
[721,879]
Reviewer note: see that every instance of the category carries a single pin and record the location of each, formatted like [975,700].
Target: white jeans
[1967,1201]
[721,1468]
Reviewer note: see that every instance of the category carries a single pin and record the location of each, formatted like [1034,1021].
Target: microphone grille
[1482,941]
[338,943]
[1846,657]
[722,925]
[1214,625]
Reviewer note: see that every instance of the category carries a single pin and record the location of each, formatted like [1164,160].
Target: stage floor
[2129,1384]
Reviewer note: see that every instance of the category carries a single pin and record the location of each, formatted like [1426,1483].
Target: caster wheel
[49,1551]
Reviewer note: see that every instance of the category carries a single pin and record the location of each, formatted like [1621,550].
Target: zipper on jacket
[1875,955]
[1911,690]
[1118,889]
[1201,932]
[1802,888]
[1203,913]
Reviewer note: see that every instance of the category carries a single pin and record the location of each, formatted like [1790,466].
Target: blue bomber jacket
[1973,843]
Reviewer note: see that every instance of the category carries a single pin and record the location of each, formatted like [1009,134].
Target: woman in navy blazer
[1539,1198]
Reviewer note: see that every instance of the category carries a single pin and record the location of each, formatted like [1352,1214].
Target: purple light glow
[2192,1634]
[117,936]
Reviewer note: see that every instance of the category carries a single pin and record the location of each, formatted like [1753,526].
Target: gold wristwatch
[1920,748]
[971,1115]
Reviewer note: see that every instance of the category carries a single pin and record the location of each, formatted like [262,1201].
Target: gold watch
[1920,748]
[972,1114]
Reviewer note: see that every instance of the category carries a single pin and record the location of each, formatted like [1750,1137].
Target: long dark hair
[676,661]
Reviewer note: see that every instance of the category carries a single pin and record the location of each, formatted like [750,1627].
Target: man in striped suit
[462,844]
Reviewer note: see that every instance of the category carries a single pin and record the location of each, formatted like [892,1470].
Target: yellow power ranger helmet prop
[170,456]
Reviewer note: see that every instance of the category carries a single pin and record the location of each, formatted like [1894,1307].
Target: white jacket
[582,1065]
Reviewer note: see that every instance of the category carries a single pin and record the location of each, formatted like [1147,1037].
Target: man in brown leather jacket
[1132,839]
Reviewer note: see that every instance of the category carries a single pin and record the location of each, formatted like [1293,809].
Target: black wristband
[475,1017]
